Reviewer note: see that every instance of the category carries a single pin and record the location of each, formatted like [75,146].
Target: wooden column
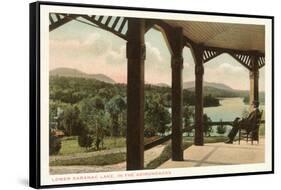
[177,107]
[254,81]
[135,94]
[199,72]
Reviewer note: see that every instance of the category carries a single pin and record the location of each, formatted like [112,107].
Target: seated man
[245,123]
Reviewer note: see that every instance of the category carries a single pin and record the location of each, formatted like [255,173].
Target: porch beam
[254,81]
[177,96]
[199,72]
[135,93]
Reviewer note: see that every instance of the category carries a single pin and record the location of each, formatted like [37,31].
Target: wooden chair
[253,133]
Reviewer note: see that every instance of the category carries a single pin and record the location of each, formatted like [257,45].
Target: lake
[229,109]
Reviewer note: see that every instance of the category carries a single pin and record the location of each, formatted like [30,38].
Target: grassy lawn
[100,160]
[70,145]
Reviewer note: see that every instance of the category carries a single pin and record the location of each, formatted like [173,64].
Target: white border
[47,179]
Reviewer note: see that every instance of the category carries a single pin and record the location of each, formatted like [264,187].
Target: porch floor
[220,154]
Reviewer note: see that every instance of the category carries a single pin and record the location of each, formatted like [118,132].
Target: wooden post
[177,107]
[199,72]
[254,81]
[135,94]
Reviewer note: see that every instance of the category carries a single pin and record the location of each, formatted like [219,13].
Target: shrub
[221,129]
[85,140]
[149,132]
[54,144]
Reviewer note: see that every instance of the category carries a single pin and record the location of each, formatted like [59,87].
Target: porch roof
[241,37]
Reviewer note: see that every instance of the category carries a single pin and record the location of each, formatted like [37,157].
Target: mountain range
[69,72]
[215,89]
[191,84]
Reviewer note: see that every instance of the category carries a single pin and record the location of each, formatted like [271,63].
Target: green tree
[101,129]
[71,121]
[207,127]
[124,123]
[209,101]
[166,99]
[164,119]
[93,113]
[52,111]
[116,107]
[156,115]
[105,93]
[188,117]
[56,114]
[54,143]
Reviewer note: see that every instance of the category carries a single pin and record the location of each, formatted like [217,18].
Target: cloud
[116,56]
[228,73]
[227,67]
[89,54]
[92,44]
[153,55]
[157,66]
[96,53]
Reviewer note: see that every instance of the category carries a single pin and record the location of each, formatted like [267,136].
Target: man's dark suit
[246,123]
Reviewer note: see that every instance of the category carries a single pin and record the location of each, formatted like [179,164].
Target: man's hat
[256,103]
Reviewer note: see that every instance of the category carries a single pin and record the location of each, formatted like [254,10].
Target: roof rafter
[245,60]
[227,50]
[243,57]
[115,25]
[58,19]
[261,61]
[210,54]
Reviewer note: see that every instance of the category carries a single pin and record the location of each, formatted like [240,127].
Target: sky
[93,50]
